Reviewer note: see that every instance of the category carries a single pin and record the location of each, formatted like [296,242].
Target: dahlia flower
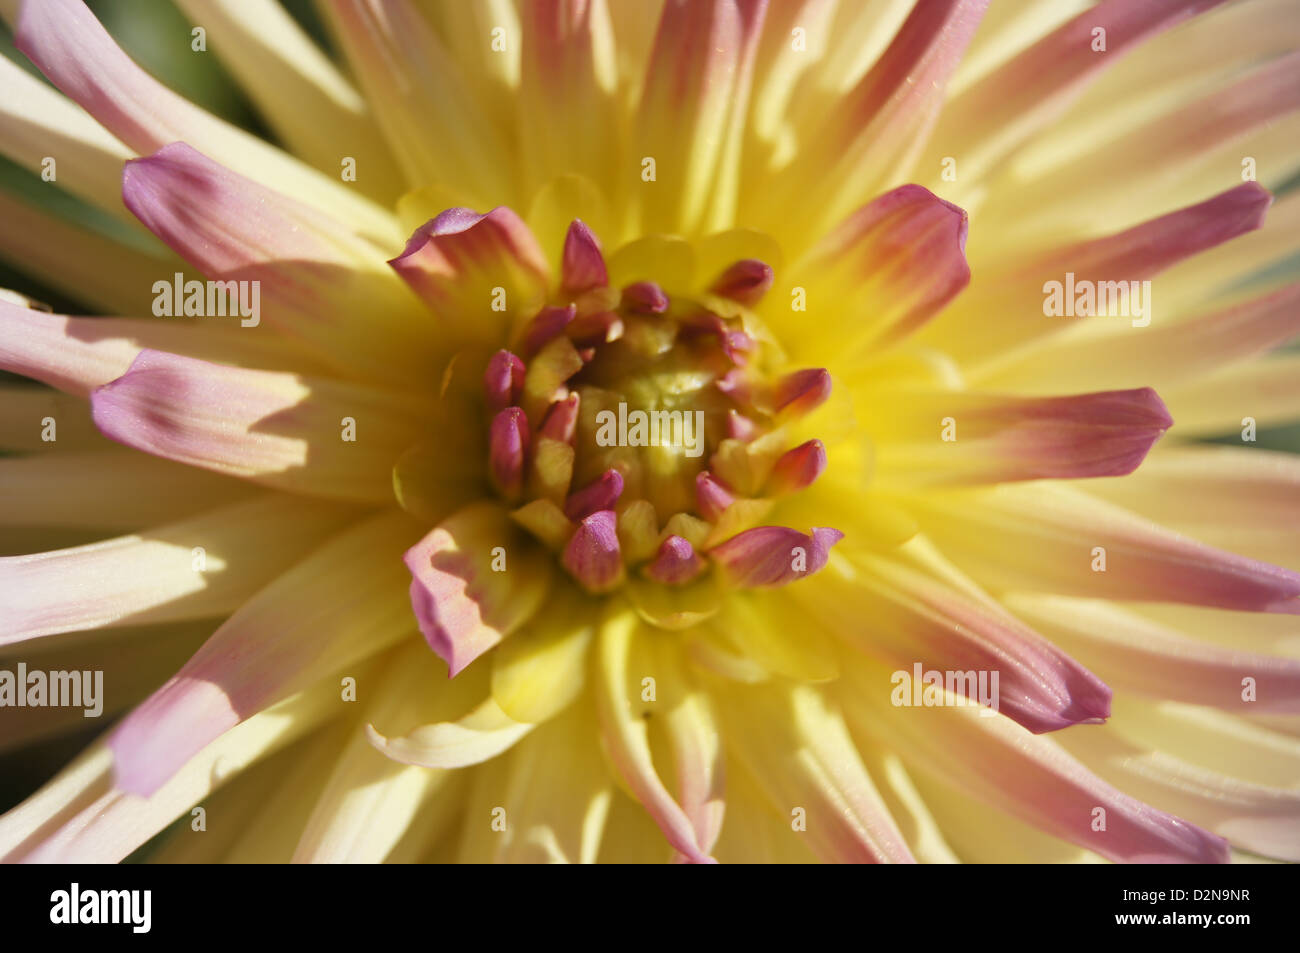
[614,451]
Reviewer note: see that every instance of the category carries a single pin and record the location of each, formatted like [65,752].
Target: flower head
[629,433]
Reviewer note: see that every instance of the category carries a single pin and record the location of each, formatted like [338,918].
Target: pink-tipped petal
[281,430]
[549,324]
[1048,537]
[474,580]
[592,554]
[503,381]
[72,48]
[893,264]
[583,265]
[1005,310]
[331,610]
[690,118]
[1139,655]
[871,138]
[993,117]
[745,281]
[153,576]
[477,273]
[601,494]
[561,420]
[797,468]
[622,654]
[893,611]
[998,762]
[801,392]
[311,276]
[997,439]
[711,497]
[774,555]
[644,297]
[740,427]
[508,442]
[676,563]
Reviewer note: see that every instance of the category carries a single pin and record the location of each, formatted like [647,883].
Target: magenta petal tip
[507,449]
[769,556]
[583,265]
[645,297]
[601,494]
[503,381]
[745,281]
[592,555]
[675,563]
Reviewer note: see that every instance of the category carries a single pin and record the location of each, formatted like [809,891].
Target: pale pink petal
[278,429]
[1139,655]
[990,120]
[1000,763]
[49,490]
[64,39]
[312,277]
[865,142]
[1256,817]
[1240,498]
[889,610]
[77,355]
[998,439]
[199,567]
[332,610]
[625,733]
[1044,537]
[474,579]
[1002,311]
[690,117]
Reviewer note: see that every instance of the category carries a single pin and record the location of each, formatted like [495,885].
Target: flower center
[640,433]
